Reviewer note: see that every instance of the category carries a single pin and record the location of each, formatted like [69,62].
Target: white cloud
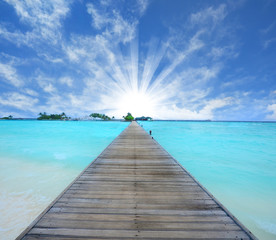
[18,100]
[199,76]
[268,35]
[49,88]
[9,74]
[44,19]
[114,27]
[269,42]
[43,15]
[269,28]
[124,29]
[75,51]
[195,43]
[16,37]
[67,81]
[80,49]
[239,81]
[31,92]
[49,58]
[205,113]
[12,113]
[46,83]
[214,104]
[209,14]
[225,51]
[177,57]
[271,108]
[99,20]
[142,5]
[186,89]
[217,52]
[218,37]
[72,104]
[76,101]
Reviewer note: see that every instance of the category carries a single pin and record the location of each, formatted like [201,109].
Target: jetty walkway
[135,190]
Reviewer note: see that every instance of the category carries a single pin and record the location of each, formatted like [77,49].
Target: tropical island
[93,116]
[100,116]
[143,119]
[45,116]
[7,118]
[128,117]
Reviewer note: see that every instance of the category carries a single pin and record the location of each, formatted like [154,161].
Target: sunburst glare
[132,81]
[138,103]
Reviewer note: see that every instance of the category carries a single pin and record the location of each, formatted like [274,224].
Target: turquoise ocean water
[38,159]
[235,161]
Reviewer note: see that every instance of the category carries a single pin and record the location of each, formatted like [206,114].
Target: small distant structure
[143,119]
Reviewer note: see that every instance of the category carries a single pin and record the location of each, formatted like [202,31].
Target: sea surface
[38,159]
[235,161]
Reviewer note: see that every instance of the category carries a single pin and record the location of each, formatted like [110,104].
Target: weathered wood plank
[106,210]
[133,224]
[141,218]
[156,206]
[139,194]
[139,234]
[135,190]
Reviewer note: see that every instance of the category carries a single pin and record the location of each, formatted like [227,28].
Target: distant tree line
[62,116]
[45,116]
[7,118]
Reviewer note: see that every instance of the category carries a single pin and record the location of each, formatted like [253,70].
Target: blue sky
[166,59]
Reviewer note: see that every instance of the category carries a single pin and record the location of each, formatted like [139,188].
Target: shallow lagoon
[235,161]
[39,159]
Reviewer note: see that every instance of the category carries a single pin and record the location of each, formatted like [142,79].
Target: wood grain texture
[135,190]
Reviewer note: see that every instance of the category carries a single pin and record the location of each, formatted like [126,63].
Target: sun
[137,103]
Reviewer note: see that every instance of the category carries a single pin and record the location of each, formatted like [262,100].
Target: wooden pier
[135,190]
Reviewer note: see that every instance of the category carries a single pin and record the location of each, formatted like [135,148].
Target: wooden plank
[107,210]
[138,194]
[132,225]
[135,190]
[196,205]
[142,218]
[73,232]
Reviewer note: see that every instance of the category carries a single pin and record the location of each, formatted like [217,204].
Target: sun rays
[132,78]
